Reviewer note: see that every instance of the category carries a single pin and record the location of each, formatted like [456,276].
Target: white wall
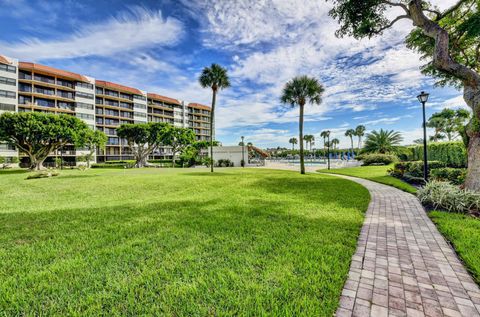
[4,150]
[232,153]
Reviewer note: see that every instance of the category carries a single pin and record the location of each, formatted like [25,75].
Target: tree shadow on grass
[77,176]
[13,171]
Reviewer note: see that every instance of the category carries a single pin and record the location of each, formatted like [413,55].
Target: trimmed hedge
[453,154]
[455,176]
[378,159]
[110,165]
[414,169]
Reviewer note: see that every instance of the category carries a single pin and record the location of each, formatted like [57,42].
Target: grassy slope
[464,233]
[184,242]
[374,173]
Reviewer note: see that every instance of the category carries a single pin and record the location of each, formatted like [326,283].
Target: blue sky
[161,46]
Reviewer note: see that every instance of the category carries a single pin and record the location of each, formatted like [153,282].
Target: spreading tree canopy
[448,40]
[143,138]
[178,139]
[91,140]
[37,135]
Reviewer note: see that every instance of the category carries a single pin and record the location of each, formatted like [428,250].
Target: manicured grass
[179,242]
[464,233]
[374,173]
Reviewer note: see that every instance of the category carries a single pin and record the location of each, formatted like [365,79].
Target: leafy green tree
[335,142]
[438,125]
[360,132]
[309,138]
[214,77]
[448,40]
[37,135]
[143,138]
[448,122]
[326,141]
[293,141]
[297,92]
[178,139]
[383,141]
[91,140]
[350,133]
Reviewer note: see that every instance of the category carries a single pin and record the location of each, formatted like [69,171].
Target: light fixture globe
[423,97]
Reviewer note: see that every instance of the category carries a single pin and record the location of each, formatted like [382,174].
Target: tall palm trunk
[351,141]
[302,161]
[212,119]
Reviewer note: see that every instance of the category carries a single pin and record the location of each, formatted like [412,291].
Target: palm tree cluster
[383,141]
[293,141]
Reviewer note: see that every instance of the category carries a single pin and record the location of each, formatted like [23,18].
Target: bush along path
[403,265]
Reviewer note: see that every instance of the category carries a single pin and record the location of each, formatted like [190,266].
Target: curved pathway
[403,266]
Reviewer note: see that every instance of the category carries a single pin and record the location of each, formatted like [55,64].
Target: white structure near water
[232,153]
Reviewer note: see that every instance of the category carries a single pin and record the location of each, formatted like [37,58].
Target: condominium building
[101,104]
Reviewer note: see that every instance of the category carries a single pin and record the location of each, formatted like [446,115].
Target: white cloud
[136,29]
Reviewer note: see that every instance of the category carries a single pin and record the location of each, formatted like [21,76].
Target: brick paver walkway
[403,266]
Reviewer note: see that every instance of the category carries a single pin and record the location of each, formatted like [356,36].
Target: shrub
[378,159]
[453,154]
[455,176]
[414,169]
[111,165]
[224,163]
[445,196]
[125,162]
[43,174]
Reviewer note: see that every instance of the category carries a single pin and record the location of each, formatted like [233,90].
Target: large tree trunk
[36,164]
[471,95]
[212,119]
[302,160]
[471,83]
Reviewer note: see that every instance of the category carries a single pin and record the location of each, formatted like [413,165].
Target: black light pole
[423,98]
[328,150]
[243,152]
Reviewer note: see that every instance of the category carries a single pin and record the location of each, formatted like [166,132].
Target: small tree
[360,132]
[91,140]
[143,139]
[178,139]
[350,133]
[37,135]
[293,141]
[383,141]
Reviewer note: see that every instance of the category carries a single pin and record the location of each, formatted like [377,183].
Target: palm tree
[350,133]
[383,141]
[299,91]
[360,132]
[335,142]
[214,77]
[309,140]
[293,141]
[325,134]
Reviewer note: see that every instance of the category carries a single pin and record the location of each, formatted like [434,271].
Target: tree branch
[392,23]
[450,10]
[396,4]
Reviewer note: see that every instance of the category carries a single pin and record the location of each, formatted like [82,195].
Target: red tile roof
[199,106]
[109,85]
[4,60]
[163,98]
[52,71]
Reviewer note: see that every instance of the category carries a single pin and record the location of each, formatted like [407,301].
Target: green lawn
[464,233]
[181,242]
[374,173]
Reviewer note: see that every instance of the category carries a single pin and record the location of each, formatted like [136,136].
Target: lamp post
[423,98]
[243,152]
[328,149]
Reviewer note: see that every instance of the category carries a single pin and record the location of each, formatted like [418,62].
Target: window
[99,110]
[125,96]
[44,102]
[25,75]
[126,105]
[65,83]
[45,79]
[140,114]
[65,94]
[7,107]
[126,114]
[139,106]
[25,87]
[110,112]
[84,105]
[23,100]
[113,141]
[7,81]
[44,91]
[111,93]
[99,120]
[8,94]
[99,90]
[84,85]
[111,103]
[139,97]
[85,116]
[99,101]
[84,95]
[111,121]
[66,105]
[8,68]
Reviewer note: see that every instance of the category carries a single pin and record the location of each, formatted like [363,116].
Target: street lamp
[423,98]
[243,152]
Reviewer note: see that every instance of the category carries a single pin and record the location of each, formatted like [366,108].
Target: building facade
[102,105]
